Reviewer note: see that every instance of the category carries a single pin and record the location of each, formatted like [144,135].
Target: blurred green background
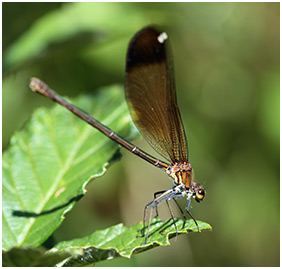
[227,75]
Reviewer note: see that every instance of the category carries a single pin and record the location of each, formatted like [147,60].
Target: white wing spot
[162,37]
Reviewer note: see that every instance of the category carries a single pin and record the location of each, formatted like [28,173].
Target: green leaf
[90,20]
[120,241]
[48,164]
[28,257]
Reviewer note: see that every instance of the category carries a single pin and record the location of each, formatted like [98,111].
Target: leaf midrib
[49,194]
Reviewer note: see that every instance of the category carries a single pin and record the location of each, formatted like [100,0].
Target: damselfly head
[198,192]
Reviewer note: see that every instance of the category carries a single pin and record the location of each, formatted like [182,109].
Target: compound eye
[200,195]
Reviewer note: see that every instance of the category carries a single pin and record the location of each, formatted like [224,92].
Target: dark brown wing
[151,96]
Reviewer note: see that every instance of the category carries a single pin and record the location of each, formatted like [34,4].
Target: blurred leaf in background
[227,76]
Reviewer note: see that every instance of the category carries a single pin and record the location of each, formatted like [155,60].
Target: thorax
[181,173]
